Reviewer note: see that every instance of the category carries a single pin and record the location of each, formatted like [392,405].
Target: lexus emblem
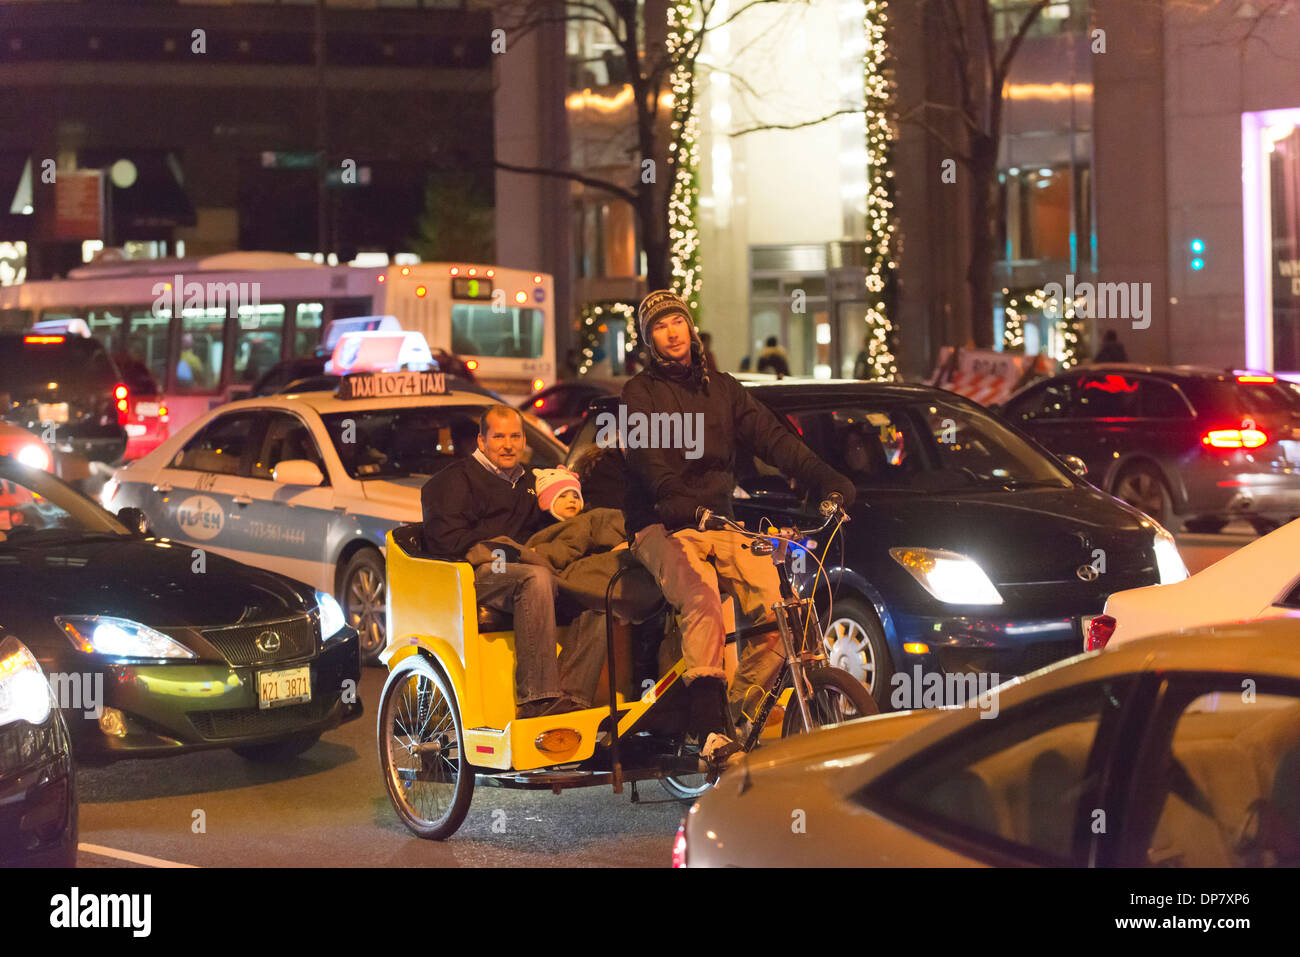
[268,642]
[1087,573]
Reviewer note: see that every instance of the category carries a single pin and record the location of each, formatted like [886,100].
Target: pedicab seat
[410,538]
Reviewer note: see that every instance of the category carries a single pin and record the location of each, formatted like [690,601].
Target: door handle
[243,500]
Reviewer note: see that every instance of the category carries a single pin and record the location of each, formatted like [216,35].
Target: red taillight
[1099,632]
[679,847]
[120,394]
[120,391]
[1234,439]
[43,340]
[1256,378]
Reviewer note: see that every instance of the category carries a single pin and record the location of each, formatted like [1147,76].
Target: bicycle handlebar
[832,508]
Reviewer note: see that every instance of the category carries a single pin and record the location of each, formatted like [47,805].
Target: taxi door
[192,497]
[286,528]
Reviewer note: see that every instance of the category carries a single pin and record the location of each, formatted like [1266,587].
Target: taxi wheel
[836,696]
[278,751]
[361,593]
[422,748]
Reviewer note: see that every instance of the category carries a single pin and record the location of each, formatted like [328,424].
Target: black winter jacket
[465,504]
[664,485]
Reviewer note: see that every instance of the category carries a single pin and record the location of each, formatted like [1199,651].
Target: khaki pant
[693,568]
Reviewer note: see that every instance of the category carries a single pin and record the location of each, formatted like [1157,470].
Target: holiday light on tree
[878,93]
[683,156]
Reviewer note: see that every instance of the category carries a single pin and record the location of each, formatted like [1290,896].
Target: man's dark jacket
[465,504]
[666,486]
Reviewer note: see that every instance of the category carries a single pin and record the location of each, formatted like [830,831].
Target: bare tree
[981,65]
[639,29]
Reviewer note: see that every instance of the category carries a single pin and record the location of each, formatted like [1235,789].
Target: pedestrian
[1112,350]
[710,363]
[773,358]
[862,364]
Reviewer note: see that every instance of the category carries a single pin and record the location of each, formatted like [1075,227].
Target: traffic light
[1197,247]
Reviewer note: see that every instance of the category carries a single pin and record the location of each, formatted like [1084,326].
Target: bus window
[146,339]
[198,367]
[107,325]
[307,329]
[257,341]
[481,330]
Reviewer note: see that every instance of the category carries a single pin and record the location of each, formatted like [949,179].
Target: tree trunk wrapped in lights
[881,268]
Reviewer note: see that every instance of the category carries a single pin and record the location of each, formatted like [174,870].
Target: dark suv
[71,384]
[1206,445]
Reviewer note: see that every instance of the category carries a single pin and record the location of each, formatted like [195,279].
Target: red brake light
[1099,632]
[43,340]
[1256,378]
[1234,438]
[120,393]
[679,847]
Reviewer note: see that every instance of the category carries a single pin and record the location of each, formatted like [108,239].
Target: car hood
[1029,536]
[156,583]
[1239,587]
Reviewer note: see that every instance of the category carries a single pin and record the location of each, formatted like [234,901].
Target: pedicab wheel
[836,696]
[687,787]
[422,748]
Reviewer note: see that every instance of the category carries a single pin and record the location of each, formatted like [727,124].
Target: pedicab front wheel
[836,696]
[422,749]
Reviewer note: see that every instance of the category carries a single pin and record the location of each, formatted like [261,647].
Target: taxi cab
[309,484]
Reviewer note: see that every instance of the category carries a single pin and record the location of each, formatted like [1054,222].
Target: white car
[1261,580]
[308,484]
[1181,752]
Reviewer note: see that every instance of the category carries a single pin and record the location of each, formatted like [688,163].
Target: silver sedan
[1176,751]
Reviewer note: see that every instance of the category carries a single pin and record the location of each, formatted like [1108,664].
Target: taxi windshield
[397,443]
[40,510]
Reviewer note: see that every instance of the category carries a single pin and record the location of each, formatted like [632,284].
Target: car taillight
[122,396]
[1256,378]
[1099,632]
[1234,439]
[679,847]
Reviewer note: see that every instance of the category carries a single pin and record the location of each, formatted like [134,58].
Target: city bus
[208,328]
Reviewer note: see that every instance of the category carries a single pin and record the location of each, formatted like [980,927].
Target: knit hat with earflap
[551,482]
[657,305]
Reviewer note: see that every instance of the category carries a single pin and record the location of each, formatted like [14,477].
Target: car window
[1052,400]
[1292,598]
[1161,400]
[75,361]
[219,446]
[1107,396]
[1227,791]
[872,445]
[395,443]
[286,437]
[1024,783]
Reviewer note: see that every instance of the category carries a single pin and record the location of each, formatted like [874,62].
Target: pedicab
[447,717]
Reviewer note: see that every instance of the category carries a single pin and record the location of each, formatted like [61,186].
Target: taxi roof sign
[378,385]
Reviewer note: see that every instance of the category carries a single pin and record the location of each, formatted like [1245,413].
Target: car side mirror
[134,519]
[297,472]
[1075,465]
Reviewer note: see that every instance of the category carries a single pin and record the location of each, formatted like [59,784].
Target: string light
[1067,328]
[683,156]
[878,84]
[595,316]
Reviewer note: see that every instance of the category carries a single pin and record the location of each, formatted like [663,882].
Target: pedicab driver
[483,499]
[667,485]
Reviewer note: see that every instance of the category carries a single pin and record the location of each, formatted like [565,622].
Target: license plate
[146,408]
[286,686]
[52,412]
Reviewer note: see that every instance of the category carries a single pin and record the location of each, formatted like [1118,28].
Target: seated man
[490,496]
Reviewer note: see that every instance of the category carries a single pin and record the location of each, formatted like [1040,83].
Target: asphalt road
[328,807]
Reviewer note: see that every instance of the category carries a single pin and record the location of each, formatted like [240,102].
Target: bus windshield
[484,330]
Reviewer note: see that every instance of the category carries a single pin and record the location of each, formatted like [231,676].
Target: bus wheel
[361,593]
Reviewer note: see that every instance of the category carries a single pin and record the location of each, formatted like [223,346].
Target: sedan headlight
[953,579]
[1169,563]
[24,693]
[331,615]
[120,638]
